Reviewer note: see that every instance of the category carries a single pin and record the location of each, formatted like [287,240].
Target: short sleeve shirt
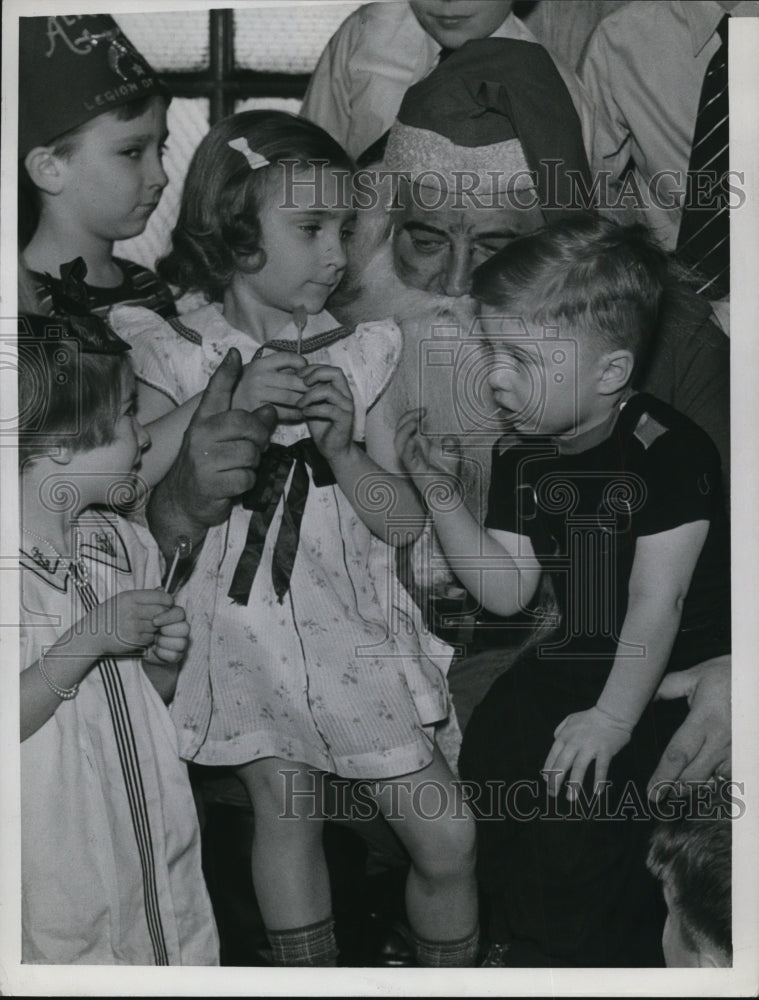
[583,512]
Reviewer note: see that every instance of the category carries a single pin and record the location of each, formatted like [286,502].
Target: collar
[590,438]
[315,324]
[96,539]
[703,18]
[40,557]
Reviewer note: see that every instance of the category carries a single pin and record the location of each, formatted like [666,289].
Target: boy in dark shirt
[92,130]
[616,498]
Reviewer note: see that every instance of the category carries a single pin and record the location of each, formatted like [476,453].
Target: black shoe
[395,948]
[495,957]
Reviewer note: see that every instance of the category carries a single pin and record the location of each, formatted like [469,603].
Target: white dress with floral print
[341,675]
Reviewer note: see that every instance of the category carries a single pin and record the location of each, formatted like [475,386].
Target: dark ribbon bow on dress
[263,498]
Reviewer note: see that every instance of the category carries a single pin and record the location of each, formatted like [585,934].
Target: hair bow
[255,160]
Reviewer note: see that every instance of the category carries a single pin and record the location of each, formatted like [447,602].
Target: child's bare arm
[123,624]
[166,424]
[328,407]
[660,578]
[498,568]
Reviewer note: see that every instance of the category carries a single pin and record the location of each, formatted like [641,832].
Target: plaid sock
[461,953]
[311,945]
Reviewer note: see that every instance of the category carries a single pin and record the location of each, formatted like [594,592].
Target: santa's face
[438,249]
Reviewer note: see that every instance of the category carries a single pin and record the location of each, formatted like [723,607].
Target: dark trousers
[574,886]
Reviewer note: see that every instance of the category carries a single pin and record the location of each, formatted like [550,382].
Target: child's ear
[45,169]
[616,371]
[61,455]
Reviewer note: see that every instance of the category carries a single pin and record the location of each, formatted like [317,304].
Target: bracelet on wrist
[66,694]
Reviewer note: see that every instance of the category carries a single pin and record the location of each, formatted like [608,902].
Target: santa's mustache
[371,290]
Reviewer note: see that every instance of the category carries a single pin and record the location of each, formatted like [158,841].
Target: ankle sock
[461,953]
[314,944]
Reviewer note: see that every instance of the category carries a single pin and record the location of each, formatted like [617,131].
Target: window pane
[188,123]
[170,42]
[285,38]
[290,104]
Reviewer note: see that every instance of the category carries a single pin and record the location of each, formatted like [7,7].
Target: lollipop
[182,549]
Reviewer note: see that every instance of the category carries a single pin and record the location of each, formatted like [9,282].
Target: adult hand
[220,451]
[702,746]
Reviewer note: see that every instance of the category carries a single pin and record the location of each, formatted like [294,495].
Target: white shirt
[376,54]
[644,67]
[110,843]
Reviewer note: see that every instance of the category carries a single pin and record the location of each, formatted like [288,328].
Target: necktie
[444,53]
[703,243]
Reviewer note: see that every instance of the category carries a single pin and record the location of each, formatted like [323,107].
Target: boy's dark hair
[693,857]
[598,278]
[218,230]
[66,396]
[64,146]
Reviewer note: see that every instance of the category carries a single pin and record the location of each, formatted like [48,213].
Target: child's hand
[171,639]
[127,622]
[580,739]
[273,378]
[421,457]
[327,406]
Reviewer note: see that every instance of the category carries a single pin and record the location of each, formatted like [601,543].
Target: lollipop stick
[300,318]
[183,547]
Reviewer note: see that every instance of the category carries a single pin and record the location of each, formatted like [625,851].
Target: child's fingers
[281,361]
[404,441]
[602,769]
[409,423]
[326,394]
[414,413]
[314,374]
[577,775]
[175,630]
[279,395]
[557,764]
[153,597]
[325,412]
[169,650]
[170,616]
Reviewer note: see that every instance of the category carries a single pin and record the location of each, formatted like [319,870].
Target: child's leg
[437,828]
[288,864]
